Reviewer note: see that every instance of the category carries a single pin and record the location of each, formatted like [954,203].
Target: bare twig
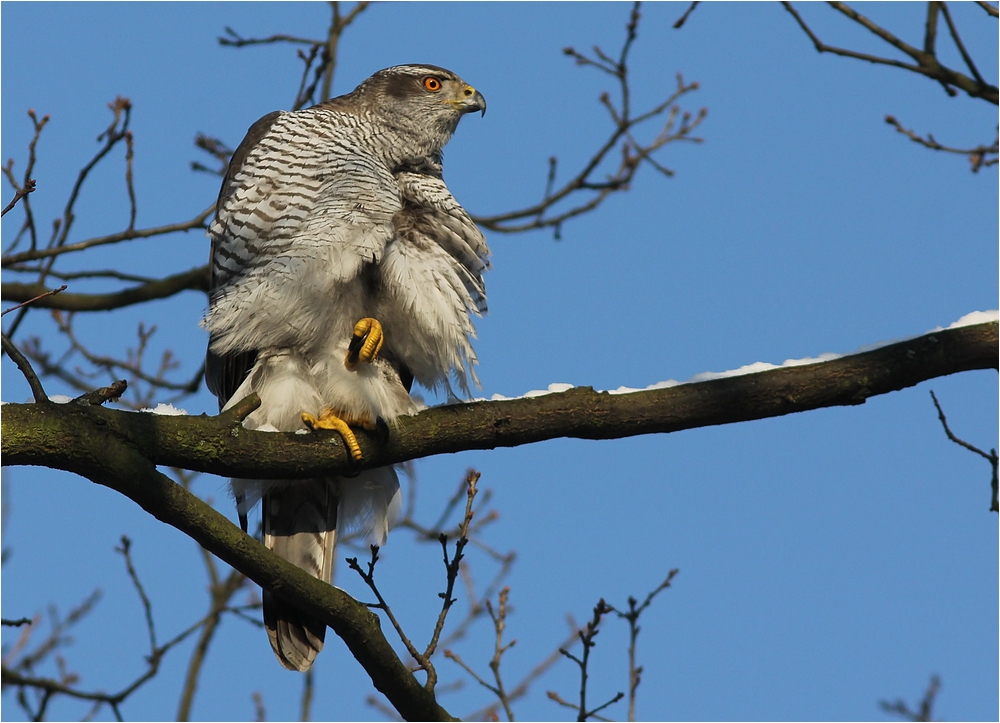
[991,457]
[16,623]
[307,696]
[979,157]
[237,41]
[126,552]
[586,637]
[51,292]
[925,709]
[930,28]
[260,713]
[521,689]
[926,61]
[8,170]
[133,366]
[632,617]
[215,148]
[499,618]
[683,18]
[551,211]
[198,222]
[960,45]
[337,26]
[369,578]
[452,566]
[37,390]
[327,59]
[20,193]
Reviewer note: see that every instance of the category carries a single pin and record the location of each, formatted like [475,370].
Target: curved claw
[366,342]
[329,420]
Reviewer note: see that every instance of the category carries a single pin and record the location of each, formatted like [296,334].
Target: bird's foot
[366,342]
[329,419]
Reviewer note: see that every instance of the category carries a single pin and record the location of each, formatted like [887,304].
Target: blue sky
[827,560]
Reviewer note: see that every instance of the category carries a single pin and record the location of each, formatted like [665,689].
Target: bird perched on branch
[342,270]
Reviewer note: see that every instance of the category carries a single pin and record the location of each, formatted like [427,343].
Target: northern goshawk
[342,270]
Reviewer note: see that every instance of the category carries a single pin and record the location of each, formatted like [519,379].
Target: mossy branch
[57,435]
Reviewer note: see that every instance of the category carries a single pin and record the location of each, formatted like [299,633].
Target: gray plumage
[327,216]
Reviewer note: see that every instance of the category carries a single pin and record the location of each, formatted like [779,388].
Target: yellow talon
[329,420]
[366,342]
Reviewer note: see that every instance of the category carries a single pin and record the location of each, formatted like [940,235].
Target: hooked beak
[473,100]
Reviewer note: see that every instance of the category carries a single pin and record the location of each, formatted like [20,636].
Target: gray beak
[473,101]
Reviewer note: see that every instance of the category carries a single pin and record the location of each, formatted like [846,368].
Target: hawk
[342,270]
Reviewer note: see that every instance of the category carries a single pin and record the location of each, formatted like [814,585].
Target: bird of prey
[342,269]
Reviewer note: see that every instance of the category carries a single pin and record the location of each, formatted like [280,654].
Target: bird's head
[425,99]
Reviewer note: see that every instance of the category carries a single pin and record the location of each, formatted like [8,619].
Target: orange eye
[432,83]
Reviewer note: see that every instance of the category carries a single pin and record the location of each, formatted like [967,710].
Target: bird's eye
[432,83]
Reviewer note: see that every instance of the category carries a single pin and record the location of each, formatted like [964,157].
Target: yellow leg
[329,420]
[366,342]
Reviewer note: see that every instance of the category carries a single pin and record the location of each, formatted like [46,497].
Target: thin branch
[237,41]
[988,8]
[632,617]
[337,26]
[499,624]
[499,618]
[960,45]
[121,109]
[20,193]
[8,171]
[369,578]
[521,689]
[38,297]
[991,457]
[683,18]
[198,222]
[925,709]
[587,635]
[37,390]
[16,623]
[126,552]
[927,63]
[979,157]
[622,138]
[452,567]
[930,29]
[307,696]
[129,155]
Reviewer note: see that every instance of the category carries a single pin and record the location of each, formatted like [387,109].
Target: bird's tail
[300,525]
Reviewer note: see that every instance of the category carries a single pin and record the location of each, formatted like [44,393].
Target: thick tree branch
[195,279]
[61,435]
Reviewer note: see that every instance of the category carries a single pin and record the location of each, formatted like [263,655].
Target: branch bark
[195,279]
[56,435]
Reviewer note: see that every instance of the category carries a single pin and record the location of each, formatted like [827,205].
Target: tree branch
[107,459]
[127,235]
[56,435]
[927,63]
[195,279]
